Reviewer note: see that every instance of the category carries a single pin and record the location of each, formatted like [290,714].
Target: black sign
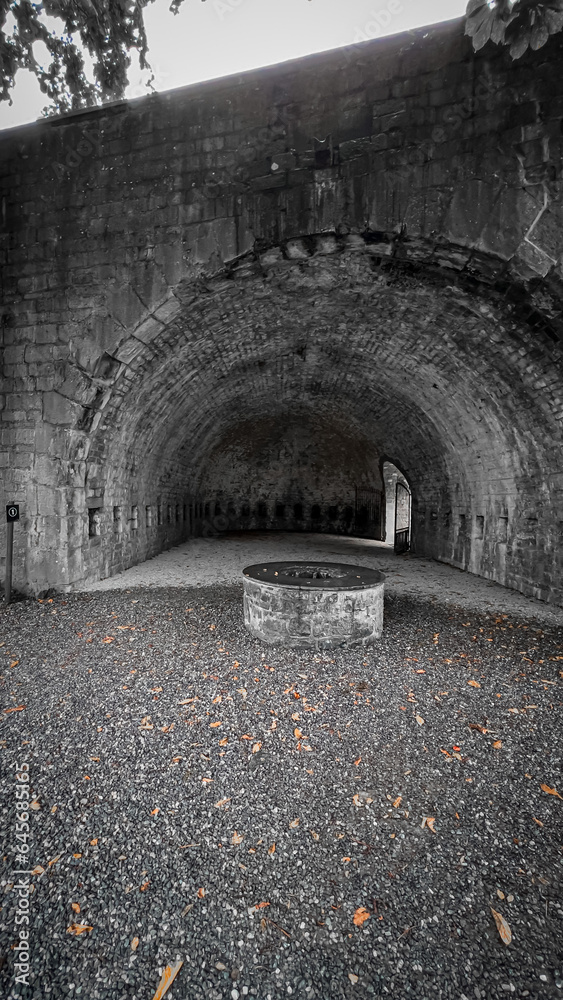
[12,512]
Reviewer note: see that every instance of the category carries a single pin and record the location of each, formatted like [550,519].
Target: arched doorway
[397,508]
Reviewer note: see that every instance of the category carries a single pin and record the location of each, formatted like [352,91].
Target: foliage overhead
[519,24]
[107,32]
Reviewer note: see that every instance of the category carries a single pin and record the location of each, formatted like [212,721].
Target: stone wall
[372,237]
[306,472]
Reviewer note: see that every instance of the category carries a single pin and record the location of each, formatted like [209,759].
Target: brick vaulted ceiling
[447,373]
[239,299]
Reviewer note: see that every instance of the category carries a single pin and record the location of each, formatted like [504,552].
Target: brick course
[360,254]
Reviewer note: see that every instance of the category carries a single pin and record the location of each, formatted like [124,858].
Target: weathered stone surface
[372,271]
[313,606]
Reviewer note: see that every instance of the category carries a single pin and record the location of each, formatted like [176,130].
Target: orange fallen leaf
[397,802]
[247,737]
[207,781]
[298,734]
[445,752]
[256,747]
[429,822]
[77,929]
[224,741]
[169,974]
[538,821]
[144,886]
[94,842]
[20,708]
[497,744]
[314,835]
[356,762]
[356,800]
[502,927]
[134,944]
[155,811]
[260,906]
[474,684]
[272,849]
[200,893]
[109,638]
[419,719]
[75,907]
[237,838]
[222,802]
[360,916]
[353,978]
[550,791]
[213,725]
[38,870]
[295,822]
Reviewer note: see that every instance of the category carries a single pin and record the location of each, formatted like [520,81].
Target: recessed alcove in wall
[305,469]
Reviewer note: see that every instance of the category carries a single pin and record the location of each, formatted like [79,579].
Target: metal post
[9,552]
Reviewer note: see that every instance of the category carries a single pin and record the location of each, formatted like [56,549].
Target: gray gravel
[360,793]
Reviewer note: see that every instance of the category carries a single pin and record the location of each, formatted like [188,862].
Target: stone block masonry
[237,300]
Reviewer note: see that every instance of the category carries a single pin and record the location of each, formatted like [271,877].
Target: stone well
[317,605]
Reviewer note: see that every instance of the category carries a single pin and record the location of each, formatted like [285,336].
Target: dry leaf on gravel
[538,821]
[256,747]
[75,907]
[167,978]
[237,838]
[200,893]
[77,929]
[298,734]
[295,822]
[360,916]
[272,849]
[222,802]
[474,684]
[497,744]
[260,906]
[419,719]
[550,791]
[214,725]
[314,835]
[134,944]
[429,822]
[19,708]
[502,927]
[397,801]
[353,978]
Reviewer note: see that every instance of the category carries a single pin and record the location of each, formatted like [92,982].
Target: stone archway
[375,266]
[431,366]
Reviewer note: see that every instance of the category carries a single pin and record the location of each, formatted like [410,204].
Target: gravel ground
[234,806]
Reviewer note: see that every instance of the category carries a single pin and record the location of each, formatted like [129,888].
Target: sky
[220,37]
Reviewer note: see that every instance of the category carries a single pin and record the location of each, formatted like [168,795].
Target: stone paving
[202,562]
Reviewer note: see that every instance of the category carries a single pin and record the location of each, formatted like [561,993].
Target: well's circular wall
[316,605]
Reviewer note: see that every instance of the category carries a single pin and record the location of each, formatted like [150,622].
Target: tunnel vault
[228,306]
[358,356]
